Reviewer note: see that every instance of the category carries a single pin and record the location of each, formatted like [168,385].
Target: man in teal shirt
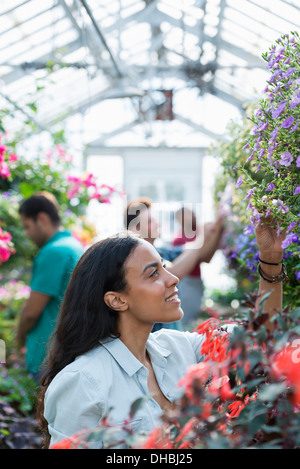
[52,267]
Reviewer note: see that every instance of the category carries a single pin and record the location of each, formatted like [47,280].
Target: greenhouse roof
[158,67]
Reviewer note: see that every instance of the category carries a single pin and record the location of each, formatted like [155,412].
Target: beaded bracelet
[275,278]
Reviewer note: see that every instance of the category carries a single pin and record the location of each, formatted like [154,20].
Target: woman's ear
[115,301]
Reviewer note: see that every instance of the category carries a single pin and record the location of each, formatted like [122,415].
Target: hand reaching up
[269,242]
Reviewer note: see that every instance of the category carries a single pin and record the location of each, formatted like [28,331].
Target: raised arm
[200,250]
[271,268]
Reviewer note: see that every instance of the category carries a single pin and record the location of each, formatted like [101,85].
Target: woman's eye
[154,273]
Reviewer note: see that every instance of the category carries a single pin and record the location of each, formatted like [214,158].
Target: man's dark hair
[40,202]
[134,208]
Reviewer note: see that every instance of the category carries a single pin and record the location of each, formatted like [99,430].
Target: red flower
[207,326]
[206,410]
[185,445]
[235,408]
[188,428]
[73,442]
[197,375]
[287,364]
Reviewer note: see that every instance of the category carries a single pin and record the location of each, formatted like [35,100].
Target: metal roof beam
[238,103]
[19,73]
[87,32]
[100,141]
[198,127]
[11,10]
[290,20]
[83,105]
[101,36]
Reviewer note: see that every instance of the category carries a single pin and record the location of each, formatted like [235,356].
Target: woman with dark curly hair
[104,356]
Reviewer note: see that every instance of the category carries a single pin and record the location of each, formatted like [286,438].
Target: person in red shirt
[191,286]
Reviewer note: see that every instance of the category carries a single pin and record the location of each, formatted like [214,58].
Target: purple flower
[294,102]
[273,135]
[289,72]
[249,193]
[279,110]
[282,207]
[294,127]
[239,181]
[270,187]
[286,158]
[264,125]
[298,275]
[254,130]
[248,230]
[275,75]
[289,83]
[291,226]
[255,216]
[290,238]
[297,190]
[288,122]
[298,162]
[250,158]
[247,145]
[258,168]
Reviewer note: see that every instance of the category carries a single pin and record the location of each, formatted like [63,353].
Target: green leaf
[32,106]
[256,423]
[137,404]
[26,189]
[263,300]
[261,334]
[270,392]
[217,442]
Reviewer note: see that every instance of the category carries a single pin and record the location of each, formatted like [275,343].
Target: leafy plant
[16,430]
[273,146]
[244,394]
[264,190]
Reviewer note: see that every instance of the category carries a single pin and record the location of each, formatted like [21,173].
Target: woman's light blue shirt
[109,378]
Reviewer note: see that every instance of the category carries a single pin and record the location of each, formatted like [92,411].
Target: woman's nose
[171,279]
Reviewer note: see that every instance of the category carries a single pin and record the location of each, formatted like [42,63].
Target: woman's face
[152,290]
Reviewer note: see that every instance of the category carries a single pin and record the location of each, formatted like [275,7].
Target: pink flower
[297,190]
[4,170]
[13,157]
[89,181]
[6,246]
[298,162]
[73,191]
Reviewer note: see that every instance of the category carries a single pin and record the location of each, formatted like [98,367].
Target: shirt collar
[59,234]
[127,360]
